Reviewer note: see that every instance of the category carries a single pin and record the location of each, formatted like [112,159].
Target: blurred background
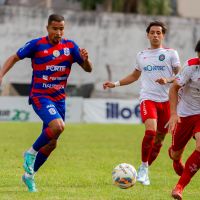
[113,31]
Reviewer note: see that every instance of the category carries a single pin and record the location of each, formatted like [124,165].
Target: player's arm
[9,63]
[173,99]
[134,76]
[86,65]
[164,80]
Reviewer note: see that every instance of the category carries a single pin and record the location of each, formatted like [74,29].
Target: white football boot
[142,175]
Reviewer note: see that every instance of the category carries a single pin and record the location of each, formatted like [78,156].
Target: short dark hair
[55,17]
[157,23]
[197,48]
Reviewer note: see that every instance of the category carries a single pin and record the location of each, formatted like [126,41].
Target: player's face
[155,36]
[55,31]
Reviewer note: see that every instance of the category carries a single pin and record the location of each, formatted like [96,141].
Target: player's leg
[57,126]
[47,149]
[53,116]
[157,145]
[192,165]
[149,115]
[163,112]
[192,127]
[30,154]
[180,137]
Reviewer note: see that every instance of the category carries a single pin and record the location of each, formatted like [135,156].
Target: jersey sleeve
[184,75]
[175,60]
[76,54]
[28,50]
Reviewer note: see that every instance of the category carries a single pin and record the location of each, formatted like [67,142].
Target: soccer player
[156,66]
[52,58]
[184,122]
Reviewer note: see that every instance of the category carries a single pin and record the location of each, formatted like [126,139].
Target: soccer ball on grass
[124,175]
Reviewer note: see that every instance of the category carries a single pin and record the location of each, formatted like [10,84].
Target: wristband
[117,83]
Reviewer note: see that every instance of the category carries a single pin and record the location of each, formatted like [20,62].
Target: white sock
[29,175]
[32,151]
[145,164]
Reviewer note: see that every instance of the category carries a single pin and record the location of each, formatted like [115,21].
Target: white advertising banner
[74,109]
[17,109]
[111,111]
[77,110]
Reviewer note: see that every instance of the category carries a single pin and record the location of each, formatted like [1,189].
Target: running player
[52,57]
[185,121]
[156,66]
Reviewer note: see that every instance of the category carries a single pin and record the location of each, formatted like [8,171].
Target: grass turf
[80,168]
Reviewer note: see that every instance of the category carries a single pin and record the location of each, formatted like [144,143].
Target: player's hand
[174,119]
[161,81]
[108,84]
[84,54]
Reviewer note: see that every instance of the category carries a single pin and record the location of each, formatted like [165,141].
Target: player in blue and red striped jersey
[52,58]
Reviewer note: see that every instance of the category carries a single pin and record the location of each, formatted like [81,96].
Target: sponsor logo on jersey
[55,68]
[57,78]
[56,53]
[45,77]
[55,86]
[154,68]
[161,57]
[66,51]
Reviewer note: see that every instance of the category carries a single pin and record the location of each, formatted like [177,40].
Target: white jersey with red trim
[155,64]
[189,93]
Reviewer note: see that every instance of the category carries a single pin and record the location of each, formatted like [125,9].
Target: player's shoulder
[140,53]
[168,49]
[70,43]
[193,62]
[37,41]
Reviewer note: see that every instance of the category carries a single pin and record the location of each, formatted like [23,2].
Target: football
[124,175]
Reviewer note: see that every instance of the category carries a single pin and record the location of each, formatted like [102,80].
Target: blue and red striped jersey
[51,66]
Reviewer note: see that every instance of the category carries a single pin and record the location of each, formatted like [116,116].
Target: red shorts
[156,110]
[184,131]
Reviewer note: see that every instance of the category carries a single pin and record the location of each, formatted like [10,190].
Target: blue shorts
[48,110]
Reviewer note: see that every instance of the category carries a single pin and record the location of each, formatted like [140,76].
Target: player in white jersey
[156,67]
[184,122]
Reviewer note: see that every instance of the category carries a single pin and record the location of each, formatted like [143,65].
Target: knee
[58,129]
[174,155]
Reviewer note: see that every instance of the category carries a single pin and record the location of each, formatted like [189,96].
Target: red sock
[192,165]
[154,152]
[147,144]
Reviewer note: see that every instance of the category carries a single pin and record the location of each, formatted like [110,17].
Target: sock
[192,165]
[147,144]
[32,151]
[145,164]
[154,152]
[43,139]
[40,159]
[178,167]
[29,175]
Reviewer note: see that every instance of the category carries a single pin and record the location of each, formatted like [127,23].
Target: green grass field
[81,166]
